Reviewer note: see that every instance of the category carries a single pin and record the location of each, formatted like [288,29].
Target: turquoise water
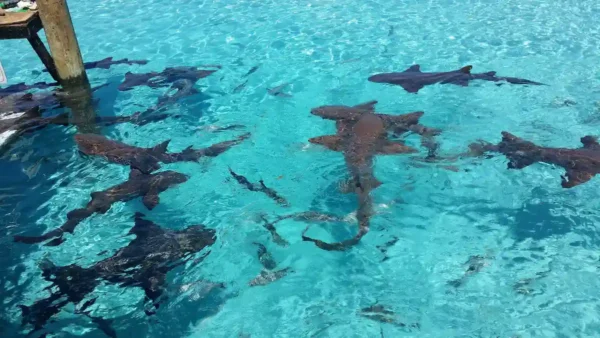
[522,221]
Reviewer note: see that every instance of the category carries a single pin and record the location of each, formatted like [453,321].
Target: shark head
[166,179]
[90,143]
[379,78]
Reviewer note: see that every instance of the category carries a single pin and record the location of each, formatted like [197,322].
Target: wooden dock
[26,25]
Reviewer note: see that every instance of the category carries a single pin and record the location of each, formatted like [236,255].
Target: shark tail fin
[466,69]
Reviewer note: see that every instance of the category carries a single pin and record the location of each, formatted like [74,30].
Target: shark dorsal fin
[135,173]
[161,147]
[370,106]
[466,69]
[413,69]
[143,226]
[590,141]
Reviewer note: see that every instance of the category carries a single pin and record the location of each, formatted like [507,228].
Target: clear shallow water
[522,221]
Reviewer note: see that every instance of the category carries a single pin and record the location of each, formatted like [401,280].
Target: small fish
[382,314]
[260,187]
[32,170]
[267,277]
[240,87]
[252,70]
[384,247]
[278,91]
[391,31]
[474,265]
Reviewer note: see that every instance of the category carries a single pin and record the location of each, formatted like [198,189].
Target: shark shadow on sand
[143,263]
[413,80]
[138,185]
[361,135]
[146,160]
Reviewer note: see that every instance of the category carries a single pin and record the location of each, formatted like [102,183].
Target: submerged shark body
[164,78]
[22,87]
[361,134]
[412,79]
[143,263]
[146,159]
[138,185]
[108,62]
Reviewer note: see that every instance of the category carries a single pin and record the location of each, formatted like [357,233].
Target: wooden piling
[68,62]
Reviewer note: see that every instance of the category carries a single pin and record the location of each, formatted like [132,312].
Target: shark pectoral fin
[413,69]
[332,142]
[519,162]
[370,106]
[466,69]
[151,199]
[459,82]
[161,148]
[575,177]
[389,148]
[411,87]
[590,142]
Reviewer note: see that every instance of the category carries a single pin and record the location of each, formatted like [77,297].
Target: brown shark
[581,164]
[361,134]
[138,185]
[146,159]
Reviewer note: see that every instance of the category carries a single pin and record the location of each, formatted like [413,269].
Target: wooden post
[64,48]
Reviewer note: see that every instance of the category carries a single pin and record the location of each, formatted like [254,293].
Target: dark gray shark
[361,134]
[138,185]
[23,87]
[164,78]
[412,79]
[146,159]
[108,62]
[143,263]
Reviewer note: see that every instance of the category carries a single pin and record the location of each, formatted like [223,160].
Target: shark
[22,87]
[259,187]
[413,80]
[143,263]
[268,274]
[108,62]
[164,78]
[14,124]
[147,186]
[581,164]
[361,135]
[146,160]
